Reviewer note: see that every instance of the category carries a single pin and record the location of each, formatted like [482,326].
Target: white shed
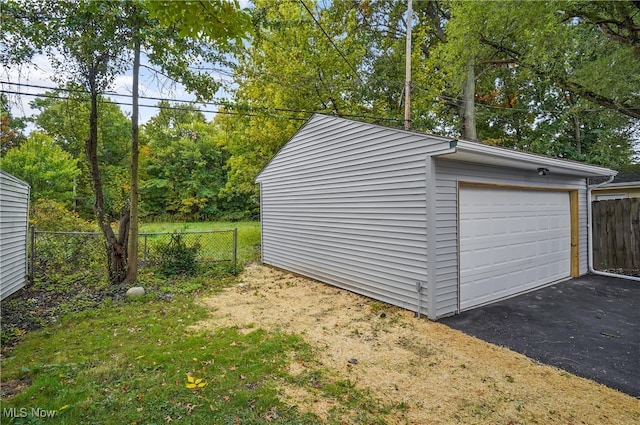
[14,223]
[428,223]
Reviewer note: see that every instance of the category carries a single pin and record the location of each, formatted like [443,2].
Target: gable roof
[321,123]
[475,152]
[13,179]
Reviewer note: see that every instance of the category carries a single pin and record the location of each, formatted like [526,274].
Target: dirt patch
[37,306]
[441,375]
[13,387]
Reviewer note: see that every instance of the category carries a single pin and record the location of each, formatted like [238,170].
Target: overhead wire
[238,109]
[157,106]
[230,105]
[232,109]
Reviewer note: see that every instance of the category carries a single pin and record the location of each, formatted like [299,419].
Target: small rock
[383,315]
[135,292]
[353,361]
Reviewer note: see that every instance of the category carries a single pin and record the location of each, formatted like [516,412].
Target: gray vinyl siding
[14,216]
[448,174]
[344,203]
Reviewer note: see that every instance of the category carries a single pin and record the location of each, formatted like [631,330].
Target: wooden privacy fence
[616,234]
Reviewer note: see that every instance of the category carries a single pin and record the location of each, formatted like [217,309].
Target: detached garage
[428,223]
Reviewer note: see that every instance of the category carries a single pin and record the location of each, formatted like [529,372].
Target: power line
[175,108]
[112,93]
[264,111]
[192,102]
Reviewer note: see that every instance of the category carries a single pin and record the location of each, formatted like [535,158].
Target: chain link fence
[70,252]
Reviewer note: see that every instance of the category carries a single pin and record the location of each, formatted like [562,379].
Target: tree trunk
[115,248]
[467,104]
[132,258]
[577,133]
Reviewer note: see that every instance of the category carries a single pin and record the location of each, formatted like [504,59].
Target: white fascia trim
[479,148]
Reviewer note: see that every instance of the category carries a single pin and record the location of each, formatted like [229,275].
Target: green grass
[130,363]
[248,234]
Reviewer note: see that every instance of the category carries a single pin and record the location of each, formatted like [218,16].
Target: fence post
[144,256]
[32,228]
[235,246]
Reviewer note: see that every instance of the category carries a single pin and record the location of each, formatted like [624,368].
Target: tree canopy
[184,165]
[558,78]
[541,85]
[45,166]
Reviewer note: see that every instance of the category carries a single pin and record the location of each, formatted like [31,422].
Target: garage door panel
[511,240]
[533,270]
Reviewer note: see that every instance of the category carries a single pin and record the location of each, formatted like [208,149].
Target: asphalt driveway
[588,326]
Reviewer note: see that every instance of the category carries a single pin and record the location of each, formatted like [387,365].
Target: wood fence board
[634,214]
[616,233]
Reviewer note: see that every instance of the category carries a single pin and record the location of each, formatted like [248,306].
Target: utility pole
[407,83]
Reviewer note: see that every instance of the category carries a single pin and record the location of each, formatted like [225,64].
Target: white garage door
[511,240]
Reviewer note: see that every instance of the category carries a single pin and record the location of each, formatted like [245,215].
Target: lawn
[144,362]
[132,363]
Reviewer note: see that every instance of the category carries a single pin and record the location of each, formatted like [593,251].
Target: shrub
[177,258]
[49,215]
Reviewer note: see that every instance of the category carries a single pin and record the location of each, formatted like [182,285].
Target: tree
[132,247]
[300,59]
[109,31]
[87,44]
[538,72]
[67,121]
[184,164]
[342,57]
[49,170]
[11,129]
[218,24]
